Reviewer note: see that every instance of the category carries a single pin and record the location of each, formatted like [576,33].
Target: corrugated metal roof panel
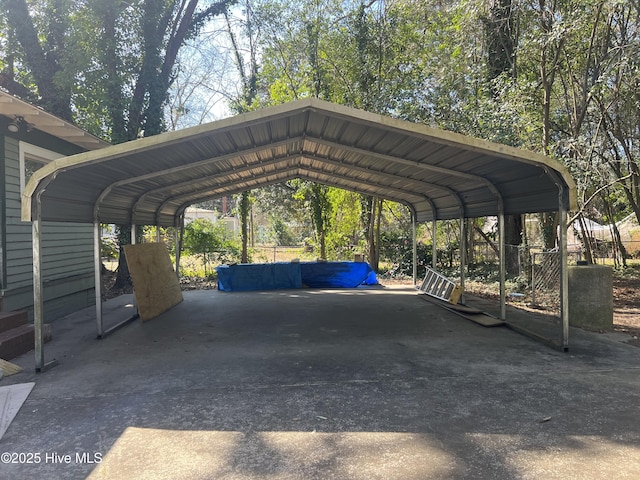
[153,179]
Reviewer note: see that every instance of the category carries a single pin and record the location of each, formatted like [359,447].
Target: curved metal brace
[387,187]
[38,183]
[180,210]
[423,166]
[373,171]
[38,290]
[191,197]
[394,159]
[186,183]
[299,174]
[249,168]
[159,173]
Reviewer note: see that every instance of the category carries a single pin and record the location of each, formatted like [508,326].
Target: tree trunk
[55,97]
[549,226]
[513,226]
[323,247]
[619,252]
[586,239]
[500,40]
[469,254]
[500,36]
[123,279]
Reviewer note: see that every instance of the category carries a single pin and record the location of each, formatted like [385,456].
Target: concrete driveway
[323,384]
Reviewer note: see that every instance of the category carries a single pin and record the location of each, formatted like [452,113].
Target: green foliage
[315,197]
[345,236]
[211,243]
[107,66]
[397,249]
[291,218]
[566,83]
[244,203]
[109,247]
[167,236]
[281,234]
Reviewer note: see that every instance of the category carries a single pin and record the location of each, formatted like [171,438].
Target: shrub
[397,249]
[211,243]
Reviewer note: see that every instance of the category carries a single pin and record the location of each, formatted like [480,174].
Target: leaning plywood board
[155,284]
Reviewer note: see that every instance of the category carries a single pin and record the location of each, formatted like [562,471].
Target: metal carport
[439,175]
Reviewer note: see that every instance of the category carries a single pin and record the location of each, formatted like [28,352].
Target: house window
[33,158]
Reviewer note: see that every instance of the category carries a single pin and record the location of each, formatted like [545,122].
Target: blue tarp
[259,276]
[272,276]
[335,274]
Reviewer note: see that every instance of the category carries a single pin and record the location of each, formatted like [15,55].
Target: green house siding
[67,250]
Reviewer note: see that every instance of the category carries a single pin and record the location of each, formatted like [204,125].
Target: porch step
[19,340]
[11,320]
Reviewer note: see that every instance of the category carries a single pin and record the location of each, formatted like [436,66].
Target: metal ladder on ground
[439,286]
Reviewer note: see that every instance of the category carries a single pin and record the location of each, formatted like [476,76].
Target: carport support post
[97,266]
[38,306]
[434,249]
[564,273]
[178,229]
[133,242]
[177,242]
[415,247]
[463,252]
[38,299]
[503,267]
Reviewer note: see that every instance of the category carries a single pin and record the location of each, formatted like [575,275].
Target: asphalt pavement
[322,384]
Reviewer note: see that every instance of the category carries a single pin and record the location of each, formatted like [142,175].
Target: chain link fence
[517,257]
[279,253]
[545,278]
[533,273]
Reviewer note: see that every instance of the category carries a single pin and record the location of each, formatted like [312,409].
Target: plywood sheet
[155,284]
[9,368]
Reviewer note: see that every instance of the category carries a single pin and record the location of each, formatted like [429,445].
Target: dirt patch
[626,307]
[108,290]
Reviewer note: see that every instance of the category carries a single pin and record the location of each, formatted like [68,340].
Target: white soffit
[15,108]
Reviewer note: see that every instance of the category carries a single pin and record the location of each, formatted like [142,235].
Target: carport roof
[438,174]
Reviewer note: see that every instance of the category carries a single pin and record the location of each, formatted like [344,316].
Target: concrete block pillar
[591,297]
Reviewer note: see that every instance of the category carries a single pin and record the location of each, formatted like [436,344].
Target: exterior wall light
[19,123]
